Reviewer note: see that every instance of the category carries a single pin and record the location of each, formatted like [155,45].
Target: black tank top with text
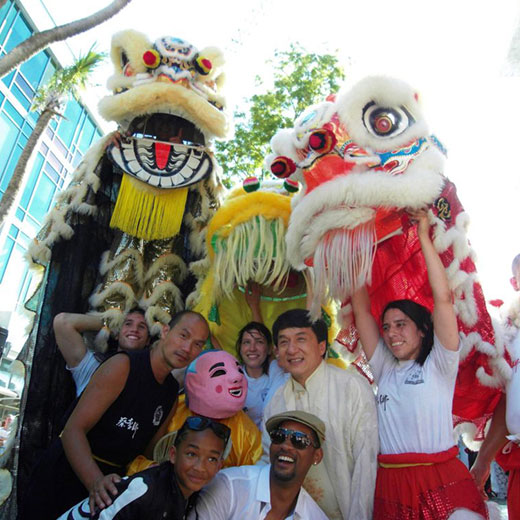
[131,421]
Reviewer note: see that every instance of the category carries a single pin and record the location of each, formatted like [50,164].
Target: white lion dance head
[364,157]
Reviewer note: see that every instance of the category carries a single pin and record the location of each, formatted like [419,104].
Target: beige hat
[300,416]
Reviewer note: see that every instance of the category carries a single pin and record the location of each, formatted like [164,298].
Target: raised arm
[68,329]
[365,322]
[104,387]
[444,319]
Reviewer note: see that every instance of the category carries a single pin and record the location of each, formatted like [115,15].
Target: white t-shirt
[243,493]
[82,372]
[513,392]
[414,402]
[261,389]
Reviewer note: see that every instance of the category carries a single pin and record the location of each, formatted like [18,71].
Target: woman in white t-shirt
[414,363]
[254,345]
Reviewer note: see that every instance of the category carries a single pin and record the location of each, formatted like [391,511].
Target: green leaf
[300,79]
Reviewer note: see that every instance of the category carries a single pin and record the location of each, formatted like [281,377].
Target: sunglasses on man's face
[199,424]
[298,439]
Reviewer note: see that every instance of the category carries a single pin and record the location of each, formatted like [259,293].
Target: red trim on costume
[418,458]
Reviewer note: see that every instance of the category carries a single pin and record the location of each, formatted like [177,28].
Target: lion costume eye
[385,121]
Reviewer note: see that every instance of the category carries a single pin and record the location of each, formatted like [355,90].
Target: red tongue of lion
[162,152]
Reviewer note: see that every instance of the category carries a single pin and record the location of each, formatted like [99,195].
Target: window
[6,250]
[34,69]
[87,135]
[13,113]
[42,198]
[8,172]
[9,133]
[69,123]
[31,181]
[15,272]
[10,11]
[21,97]
[9,78]
[19,33]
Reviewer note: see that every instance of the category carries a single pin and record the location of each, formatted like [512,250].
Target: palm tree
[49,101]
[40,40]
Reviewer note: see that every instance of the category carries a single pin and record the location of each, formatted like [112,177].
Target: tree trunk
[13,187]
[40,40]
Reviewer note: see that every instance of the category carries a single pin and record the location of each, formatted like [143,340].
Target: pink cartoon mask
[215,385]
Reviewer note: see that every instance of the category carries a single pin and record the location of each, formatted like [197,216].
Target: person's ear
[322,345]
[164,330]
[172,454]
[514,283]
[318,455]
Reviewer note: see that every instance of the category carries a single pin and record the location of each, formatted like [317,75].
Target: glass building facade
[64,144]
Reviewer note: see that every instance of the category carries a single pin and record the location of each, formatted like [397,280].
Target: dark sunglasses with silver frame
[299,440]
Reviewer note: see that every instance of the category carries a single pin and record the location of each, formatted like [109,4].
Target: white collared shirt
[243,493]
[343,482]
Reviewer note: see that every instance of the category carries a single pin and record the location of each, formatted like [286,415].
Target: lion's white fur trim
[55,227]
[162,291]
[106,264]
[462,285]
[168,261]
[165,98]
[416,188]
[333,219]
[114,319]
[122,289]
[134,44]
[384,91]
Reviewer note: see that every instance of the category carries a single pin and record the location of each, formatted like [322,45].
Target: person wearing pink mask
[216,388]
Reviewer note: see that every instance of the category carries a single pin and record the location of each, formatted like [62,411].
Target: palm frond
[67,80]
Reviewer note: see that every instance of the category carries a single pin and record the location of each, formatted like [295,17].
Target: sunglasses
[198,424]
[299,440]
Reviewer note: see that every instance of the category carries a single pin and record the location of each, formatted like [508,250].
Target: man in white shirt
[82,362]
[273,491]
[343,485]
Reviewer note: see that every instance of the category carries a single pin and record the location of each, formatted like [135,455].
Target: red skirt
[509,459]
[424,487]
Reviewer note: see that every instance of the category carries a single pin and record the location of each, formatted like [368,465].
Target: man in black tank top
[124,411]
